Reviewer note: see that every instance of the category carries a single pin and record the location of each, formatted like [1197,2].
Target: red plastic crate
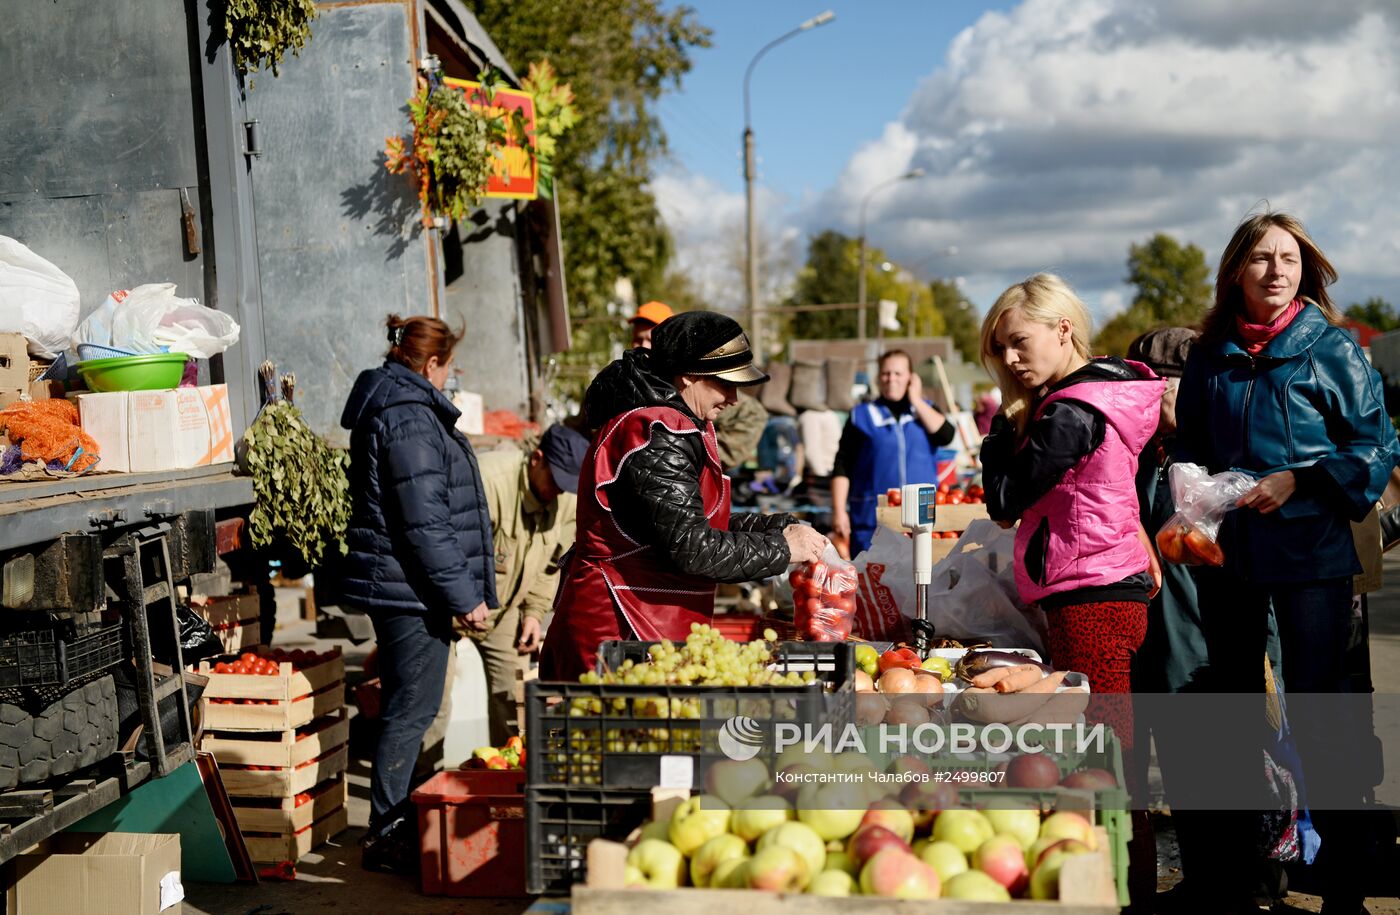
[471,830]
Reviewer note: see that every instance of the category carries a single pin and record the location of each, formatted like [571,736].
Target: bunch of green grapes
[705,658]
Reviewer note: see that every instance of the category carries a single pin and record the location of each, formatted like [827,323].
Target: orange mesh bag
[48,430]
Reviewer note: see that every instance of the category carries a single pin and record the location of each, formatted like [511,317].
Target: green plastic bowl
[156,372]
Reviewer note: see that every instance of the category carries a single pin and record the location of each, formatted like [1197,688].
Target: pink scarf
[1258,336]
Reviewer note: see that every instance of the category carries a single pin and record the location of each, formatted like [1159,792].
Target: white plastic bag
[151,318]
[36,299]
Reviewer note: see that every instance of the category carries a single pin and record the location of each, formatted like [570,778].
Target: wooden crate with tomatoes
[272,690]
[957,507]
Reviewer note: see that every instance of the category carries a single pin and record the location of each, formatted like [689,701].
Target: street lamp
[860,262]
[751,245]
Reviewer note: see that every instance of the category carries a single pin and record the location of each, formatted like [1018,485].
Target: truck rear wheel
[70,730]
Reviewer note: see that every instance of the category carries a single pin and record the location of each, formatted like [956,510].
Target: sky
[1053,135]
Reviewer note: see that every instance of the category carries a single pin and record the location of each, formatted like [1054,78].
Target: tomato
[894,497]
[812,606]
[1171,543]
[1203,548]
[222,668]
[247,657]
[844,605]
[956,497]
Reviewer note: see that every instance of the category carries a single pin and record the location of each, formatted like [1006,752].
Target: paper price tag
[677,772]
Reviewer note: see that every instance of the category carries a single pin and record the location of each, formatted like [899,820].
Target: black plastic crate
[559,824]
[617,737]
[48,657]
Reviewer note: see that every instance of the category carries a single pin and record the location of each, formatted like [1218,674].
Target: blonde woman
[1061,458]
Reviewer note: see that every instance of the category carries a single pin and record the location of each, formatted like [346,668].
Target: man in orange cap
[645,320]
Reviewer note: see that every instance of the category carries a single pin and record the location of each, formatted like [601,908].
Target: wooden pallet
[284,749]
[287,818]
[293,846]
[285,782]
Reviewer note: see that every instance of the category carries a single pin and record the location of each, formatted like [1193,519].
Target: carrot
[990,678]
[1047,684]
[1019,678]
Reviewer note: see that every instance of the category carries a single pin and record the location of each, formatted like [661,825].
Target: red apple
[926,800]
[892,872]
[892,815]
[1068,846]
[1002,859]
[1090,780]
[1032,770]
[869,840]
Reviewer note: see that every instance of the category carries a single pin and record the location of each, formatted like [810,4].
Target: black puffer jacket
[420,534]
[657,498]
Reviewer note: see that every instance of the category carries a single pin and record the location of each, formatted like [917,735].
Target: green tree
[1375,312]
[961,319]
[619,56]
[830,278]
[1173,289]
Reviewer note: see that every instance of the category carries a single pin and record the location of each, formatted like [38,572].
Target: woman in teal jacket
[1276,389]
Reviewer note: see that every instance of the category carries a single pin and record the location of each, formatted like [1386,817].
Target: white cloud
[1059,133]
[707,226]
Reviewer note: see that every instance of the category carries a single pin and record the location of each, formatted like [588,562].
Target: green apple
[1065,824]
[834,811]
[1038,849]
[1022,825]
[1045,880]
[653,829]
[803,840]
[757,815]
[696,822]
[776,868]
[868,659]
[833,883]
[840,861]
[660,864]
[731,875]
[965,829]
[733,782]
[944,857]
[721,848]
[633,876]
[975,885]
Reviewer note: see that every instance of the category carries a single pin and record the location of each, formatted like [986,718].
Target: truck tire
[73,730]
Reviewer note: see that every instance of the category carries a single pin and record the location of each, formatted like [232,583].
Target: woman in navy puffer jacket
[419,555]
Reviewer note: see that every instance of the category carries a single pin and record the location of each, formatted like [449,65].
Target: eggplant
[978,662]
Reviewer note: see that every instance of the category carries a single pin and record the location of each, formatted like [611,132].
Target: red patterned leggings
[1099,640]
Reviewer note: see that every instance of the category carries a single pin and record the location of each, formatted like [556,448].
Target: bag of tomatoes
[1190,536]
[824,598]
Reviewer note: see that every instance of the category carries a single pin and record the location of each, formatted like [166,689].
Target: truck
[133,150]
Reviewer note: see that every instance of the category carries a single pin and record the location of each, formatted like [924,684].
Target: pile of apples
[850,839]
[510,756]
[897,687]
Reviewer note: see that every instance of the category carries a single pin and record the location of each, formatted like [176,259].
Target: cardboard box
[159,430]
[113,873]
[14,362]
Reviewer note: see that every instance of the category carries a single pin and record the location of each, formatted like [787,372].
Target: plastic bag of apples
[824,598]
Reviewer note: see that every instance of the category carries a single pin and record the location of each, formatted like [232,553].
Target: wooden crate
[293,846]
[283,716]
[1086,888]
[285,782]
[284,749]
[297,696]
[235,619]
[945,518]
[287,817]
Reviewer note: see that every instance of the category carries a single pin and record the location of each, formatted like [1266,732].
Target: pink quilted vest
[1085,529]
